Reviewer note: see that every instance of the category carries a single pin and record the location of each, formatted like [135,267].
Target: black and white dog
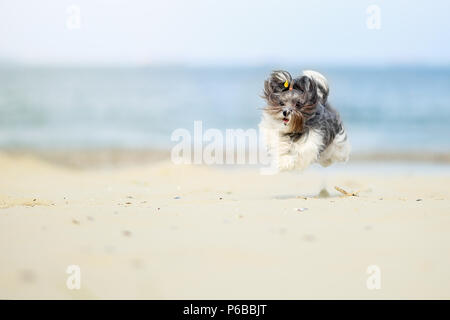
[298,124]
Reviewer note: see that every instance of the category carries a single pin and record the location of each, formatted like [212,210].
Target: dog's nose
[285,113]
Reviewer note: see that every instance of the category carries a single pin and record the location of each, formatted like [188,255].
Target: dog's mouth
[285,121]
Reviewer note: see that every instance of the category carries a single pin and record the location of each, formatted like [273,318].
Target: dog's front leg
[307,150]
[285,158]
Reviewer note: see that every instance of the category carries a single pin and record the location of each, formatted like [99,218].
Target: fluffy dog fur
[298,124]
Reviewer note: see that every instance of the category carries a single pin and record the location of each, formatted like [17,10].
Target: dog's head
[290,101]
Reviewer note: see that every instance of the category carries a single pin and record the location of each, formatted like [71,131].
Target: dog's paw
[285,163]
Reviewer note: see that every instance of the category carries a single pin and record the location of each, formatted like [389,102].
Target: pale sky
[225,32]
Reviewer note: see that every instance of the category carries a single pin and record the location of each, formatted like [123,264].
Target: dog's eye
[298,105]
[281,103]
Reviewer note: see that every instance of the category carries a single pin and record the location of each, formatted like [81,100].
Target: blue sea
[384,109]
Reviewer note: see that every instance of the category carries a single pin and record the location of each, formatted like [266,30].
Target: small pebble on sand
[309,238]
[28,276]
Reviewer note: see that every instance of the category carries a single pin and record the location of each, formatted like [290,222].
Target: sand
[160,231]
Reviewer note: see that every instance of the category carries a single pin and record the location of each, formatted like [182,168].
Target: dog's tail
[321,82]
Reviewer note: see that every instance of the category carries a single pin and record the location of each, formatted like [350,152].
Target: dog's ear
[321,82]
[307,85]
[277,82]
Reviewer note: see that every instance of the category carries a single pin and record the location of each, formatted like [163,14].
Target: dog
[298,125]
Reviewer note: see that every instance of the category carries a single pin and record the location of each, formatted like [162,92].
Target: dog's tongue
[285,120]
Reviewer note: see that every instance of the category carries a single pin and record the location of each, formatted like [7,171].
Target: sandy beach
[160,231]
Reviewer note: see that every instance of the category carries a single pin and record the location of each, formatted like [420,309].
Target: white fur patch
[289,155]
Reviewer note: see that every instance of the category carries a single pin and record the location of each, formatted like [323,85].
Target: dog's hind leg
[337,151]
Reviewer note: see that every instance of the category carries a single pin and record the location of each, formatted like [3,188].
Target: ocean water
[384,109]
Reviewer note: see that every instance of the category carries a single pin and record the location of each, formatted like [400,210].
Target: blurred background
[98,74]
